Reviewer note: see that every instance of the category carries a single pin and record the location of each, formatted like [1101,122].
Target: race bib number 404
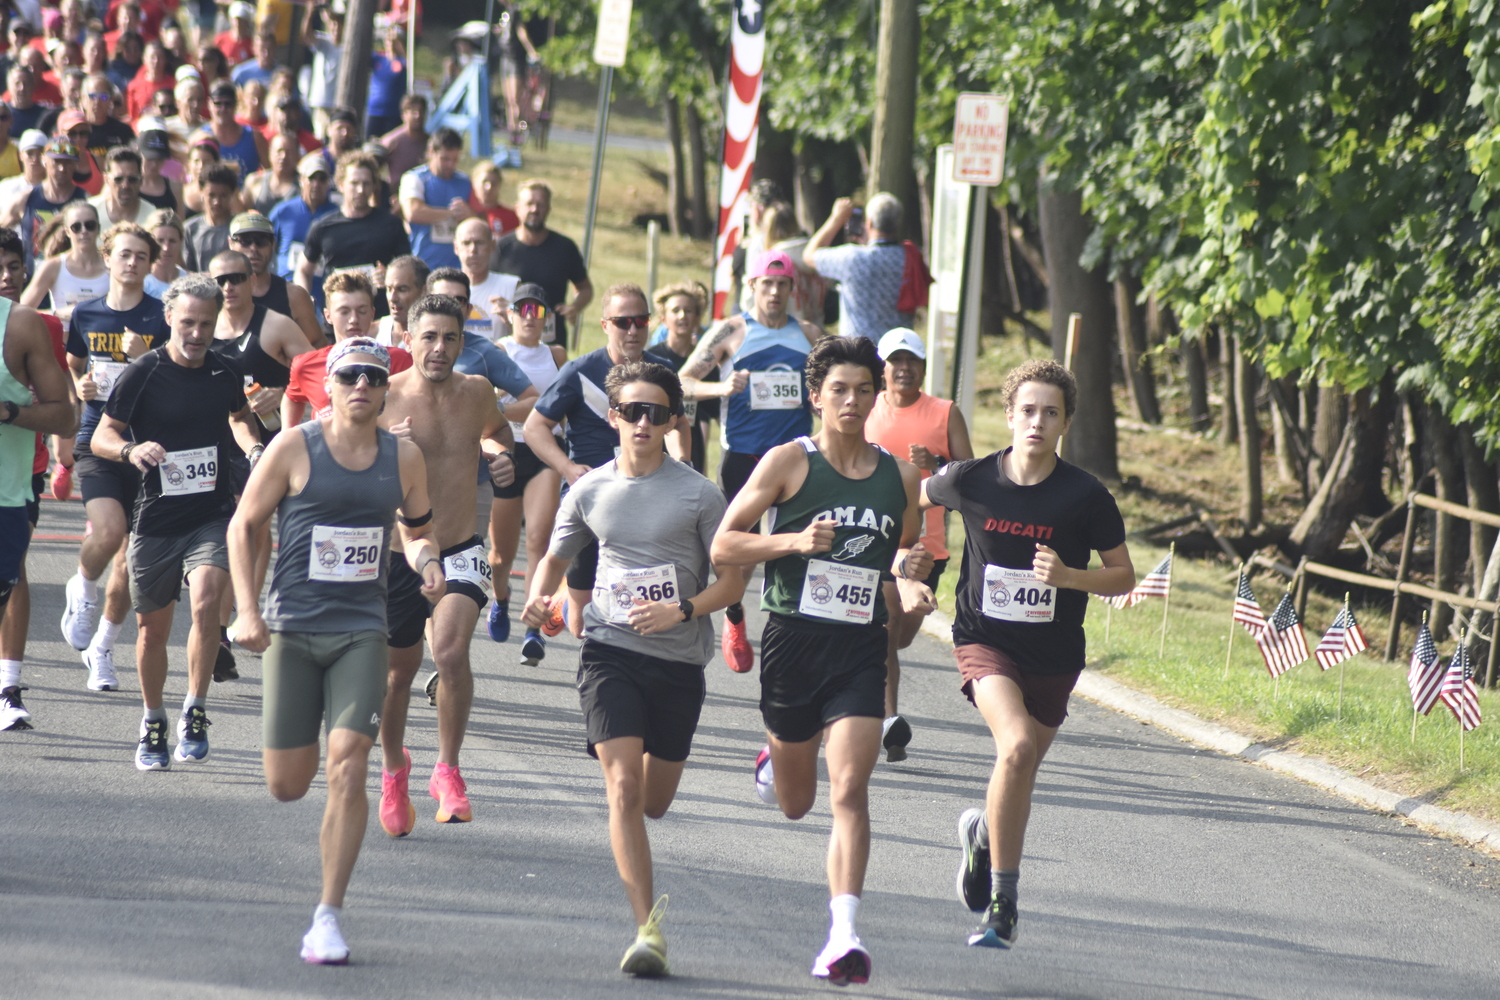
[617,590]
[1015,595]
[345,555]
[775,390]
[839,593]
[190,471]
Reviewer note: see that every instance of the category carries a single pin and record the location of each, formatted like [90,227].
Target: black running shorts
[406,610]
[101,479]
[625,693]
[528,467]
[813,674]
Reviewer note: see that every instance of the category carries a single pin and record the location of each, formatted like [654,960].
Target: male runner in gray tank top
[337,485]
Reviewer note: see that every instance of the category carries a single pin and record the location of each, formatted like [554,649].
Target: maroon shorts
[1046,698]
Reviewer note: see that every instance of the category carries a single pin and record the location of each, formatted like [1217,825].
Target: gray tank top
[330,573]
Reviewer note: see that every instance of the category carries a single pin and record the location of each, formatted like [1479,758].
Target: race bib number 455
[190,471]
[839,593]
[345,555]
[1015,595]
[617,590]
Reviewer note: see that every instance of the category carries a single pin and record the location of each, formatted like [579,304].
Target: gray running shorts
[310,677]
[160,563]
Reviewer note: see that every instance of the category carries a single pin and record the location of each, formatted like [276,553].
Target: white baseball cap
[241,9]
[33,139]
[900,339]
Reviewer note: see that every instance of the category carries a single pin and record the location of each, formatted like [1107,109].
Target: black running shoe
[999,927]
[974,866]
[895,735]
[13,715]
[224,668]
[430,688]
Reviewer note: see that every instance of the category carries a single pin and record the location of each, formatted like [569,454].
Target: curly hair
[832,351]
[644,371]
[1047,373]
[113,233]
[692,289]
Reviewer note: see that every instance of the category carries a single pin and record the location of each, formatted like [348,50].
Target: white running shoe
[101,664]
[843,960]
[323,944]
[80,616]
[765,781]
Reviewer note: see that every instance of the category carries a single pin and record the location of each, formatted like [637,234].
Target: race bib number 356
[617,590]
[190,471]
[1014,595]
[775,390]
[345,555]
[839,593]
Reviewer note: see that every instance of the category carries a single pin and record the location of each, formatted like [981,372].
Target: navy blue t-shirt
[97,332]
[577,395]
[480,357]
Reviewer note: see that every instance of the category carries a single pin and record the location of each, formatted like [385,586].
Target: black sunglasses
[123,179]
[374,376]
[251,239]
[633,412]
[85,226]
[232,278]
[626,322]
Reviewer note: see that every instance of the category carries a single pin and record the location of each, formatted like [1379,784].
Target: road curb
[1116,696]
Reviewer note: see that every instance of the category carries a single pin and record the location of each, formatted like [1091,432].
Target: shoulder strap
[807,444]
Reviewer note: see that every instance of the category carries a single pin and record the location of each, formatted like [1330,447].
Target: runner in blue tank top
[435,199]
[761,355]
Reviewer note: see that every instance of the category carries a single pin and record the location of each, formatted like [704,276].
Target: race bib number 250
[345,555]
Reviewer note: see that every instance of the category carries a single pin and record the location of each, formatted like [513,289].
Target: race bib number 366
[345,555]
[1014,595]
[839,593]
[618,589]
[190,471]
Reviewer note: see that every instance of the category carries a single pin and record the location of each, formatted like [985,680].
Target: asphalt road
[1153,869]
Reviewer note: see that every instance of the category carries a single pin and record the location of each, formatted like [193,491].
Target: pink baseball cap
[774,264]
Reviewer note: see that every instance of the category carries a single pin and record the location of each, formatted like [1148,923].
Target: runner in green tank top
[844,515]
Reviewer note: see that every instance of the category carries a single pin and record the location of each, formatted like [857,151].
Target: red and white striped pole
[747,47]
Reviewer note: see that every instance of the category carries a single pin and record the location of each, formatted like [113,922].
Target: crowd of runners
[357,345]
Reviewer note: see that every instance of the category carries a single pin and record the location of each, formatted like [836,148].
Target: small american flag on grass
[1458,691]
[1156,584]
[1282,642]
[1343,639]
[1425,676]
[1246,610]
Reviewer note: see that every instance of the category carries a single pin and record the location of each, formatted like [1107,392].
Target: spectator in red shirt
[212,65]
[153,76]
[485,199]
[128,17]
[42,90]
[238,44]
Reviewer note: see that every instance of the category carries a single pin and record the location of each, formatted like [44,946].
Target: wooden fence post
[1393,641]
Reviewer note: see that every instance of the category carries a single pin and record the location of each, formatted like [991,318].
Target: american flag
[1246,611]
[1282,642]
[1343,639]
[1156,584]
[1425,676]
[1458,691]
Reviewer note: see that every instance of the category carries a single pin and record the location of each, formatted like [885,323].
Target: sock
[10,673]
[1005,884]
[106,634]
[223,635]
[844,909]
[191,702]
[90,588]
[154,715]
[323,908]
[735,613]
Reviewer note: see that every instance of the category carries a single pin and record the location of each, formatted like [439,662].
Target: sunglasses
[633,412]
[375,376]
[529,310]
[223,104]
[626,322]
[232,278]
[251,239]
[87,226]
[123,179]
[101,97]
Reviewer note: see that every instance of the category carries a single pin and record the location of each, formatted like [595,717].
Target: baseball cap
[223,89]
[357,345]
[772,264]
[186,71]
[344,115]
[312,163]
[154,144]
[61,148]
[33,138]
[70,119]
[240,9]
[900,339]
[250,222]
[529,292]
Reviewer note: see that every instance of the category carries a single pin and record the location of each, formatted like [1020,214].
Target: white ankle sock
[90,588]
[189,702]
[844,909]
[10,673]
[333,911]
[105,635]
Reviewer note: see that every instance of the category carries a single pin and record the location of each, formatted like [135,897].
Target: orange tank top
[924,422]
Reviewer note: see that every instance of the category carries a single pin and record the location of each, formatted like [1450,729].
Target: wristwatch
[12,411]
[686,607]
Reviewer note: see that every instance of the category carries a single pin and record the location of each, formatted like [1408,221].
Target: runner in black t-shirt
[537,255]
[359,235]
[1031,522]
[174,414]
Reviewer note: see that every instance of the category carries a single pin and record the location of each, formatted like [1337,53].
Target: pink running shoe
[447,786]
[397,814]
[62,482]
[735,646]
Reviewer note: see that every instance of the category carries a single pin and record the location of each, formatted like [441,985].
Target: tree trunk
[353,84]
[1197,379]
[703,221]
[1328,432]
[1251,494]
[1131,321]
[677,201]
[1484,493]
[1353,469]
[1284,431]
[891,132]
[1230,430]
[1091,442]
[1412,472]
[1448,538]
[1012,292]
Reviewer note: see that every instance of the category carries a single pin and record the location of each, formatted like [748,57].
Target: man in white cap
[29,148]
[929,433]
[238,43]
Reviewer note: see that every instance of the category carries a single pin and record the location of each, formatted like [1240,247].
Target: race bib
[472,565]
[442,232]
[345,555]
[190,471]
[839,593]
[775,390]
[106,374]
[690,409]
[1014,595]
[616,593]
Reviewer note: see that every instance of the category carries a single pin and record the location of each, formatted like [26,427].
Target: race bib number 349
[345,555]
[1015,595]
[839,593]
[190,471]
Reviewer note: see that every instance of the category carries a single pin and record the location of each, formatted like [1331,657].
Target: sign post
[950,233]
[978,161]
[610,44]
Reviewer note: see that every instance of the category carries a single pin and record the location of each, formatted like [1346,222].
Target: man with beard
[538,255]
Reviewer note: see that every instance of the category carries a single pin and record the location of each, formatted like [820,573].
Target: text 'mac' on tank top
[276,299]
[331,568]
[774,409]
[869,513]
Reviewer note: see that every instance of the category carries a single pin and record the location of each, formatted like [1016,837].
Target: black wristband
[125,452]
[415,522]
